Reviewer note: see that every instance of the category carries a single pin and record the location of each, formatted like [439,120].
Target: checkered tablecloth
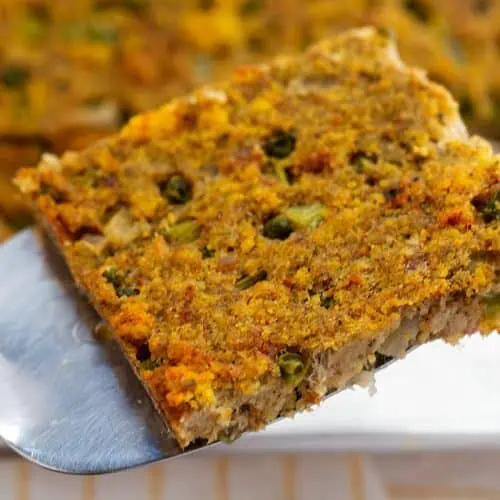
[318,476]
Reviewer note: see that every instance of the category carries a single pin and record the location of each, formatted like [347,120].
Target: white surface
[439,397]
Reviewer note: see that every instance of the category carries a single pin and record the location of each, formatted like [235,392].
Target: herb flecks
[309,216]
[247,281]
[182,232]
[117,280]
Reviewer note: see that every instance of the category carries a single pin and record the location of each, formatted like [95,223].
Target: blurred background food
[73,71]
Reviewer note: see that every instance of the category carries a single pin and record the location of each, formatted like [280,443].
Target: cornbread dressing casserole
[262,242]
[71,72]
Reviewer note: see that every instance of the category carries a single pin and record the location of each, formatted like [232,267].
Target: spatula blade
[69,402]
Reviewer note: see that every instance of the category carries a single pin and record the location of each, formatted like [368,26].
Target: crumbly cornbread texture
[71,72]
[253,244]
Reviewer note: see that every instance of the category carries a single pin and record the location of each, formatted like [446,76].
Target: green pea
[278,228]
[279,144]
[292,368]
[489,208]
[183,232]
[310,216]
[178,190]
[247,281]
[14,76]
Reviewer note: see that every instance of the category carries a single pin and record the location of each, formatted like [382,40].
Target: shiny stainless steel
[70,402]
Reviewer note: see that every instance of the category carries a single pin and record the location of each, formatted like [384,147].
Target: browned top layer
[383,204]
[72,71]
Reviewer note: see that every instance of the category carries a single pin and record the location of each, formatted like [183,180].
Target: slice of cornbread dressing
[258,244]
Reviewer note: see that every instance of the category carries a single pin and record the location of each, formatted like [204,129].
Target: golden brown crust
[73,73]
[376,185]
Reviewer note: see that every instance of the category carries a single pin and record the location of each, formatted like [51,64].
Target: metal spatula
[69,401]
